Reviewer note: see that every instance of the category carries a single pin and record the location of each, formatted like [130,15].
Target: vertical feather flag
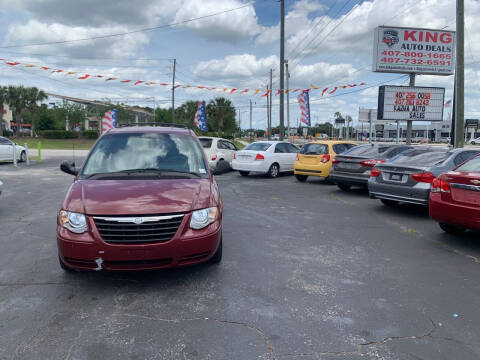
[109,120]
[200,119]
[304,102]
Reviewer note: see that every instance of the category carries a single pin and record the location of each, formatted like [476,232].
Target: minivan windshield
[132,153]
[260,146]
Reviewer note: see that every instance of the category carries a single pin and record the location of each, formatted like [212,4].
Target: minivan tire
[244,173]
[301,178]
[274,170]
[344,187]
[451,229]
[217,257]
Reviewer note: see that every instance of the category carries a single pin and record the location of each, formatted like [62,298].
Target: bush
[7,133]
[90,134]
[58,134]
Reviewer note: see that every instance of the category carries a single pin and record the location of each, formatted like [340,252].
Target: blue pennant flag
[200,119]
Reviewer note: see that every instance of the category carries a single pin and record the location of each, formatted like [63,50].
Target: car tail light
[325,158]
[371,163]
[214,157]
[234,155]
[335,161]
[426,177]
[259,157]
[440,185]
[375,173]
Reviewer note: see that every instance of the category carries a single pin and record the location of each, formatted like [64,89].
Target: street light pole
[459,77]
[282,65]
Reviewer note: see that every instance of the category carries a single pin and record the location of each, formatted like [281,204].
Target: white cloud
[228,27]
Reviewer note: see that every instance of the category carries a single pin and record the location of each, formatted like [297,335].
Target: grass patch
[56,144]
[239,145]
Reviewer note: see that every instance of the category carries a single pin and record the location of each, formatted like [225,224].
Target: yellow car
[315,158]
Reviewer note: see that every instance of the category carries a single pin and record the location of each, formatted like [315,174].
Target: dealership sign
[410,50]
[410,103]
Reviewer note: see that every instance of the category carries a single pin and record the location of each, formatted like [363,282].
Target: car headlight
[75,222]
[204,217]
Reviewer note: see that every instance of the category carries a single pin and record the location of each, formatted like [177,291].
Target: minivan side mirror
[68,167]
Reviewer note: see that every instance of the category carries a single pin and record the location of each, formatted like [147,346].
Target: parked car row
[447,180]
[6,150]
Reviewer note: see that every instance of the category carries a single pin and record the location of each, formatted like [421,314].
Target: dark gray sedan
[352,168]
[408,177]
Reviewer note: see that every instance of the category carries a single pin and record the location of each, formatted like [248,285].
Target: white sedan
[266,157]
[218,150]
[474,141]
[6,150]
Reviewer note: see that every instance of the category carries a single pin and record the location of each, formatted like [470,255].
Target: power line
[127,32]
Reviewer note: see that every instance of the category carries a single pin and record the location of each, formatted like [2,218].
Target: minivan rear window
[314,149]
[259,146]
[206,143]
[421,157]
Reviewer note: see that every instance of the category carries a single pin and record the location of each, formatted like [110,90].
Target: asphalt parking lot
[309,272]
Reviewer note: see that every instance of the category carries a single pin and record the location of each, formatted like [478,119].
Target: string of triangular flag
[227,90]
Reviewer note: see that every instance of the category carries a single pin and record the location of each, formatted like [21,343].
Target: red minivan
[144,199]
[455,198]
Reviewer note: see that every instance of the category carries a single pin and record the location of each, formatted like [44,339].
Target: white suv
[218,150]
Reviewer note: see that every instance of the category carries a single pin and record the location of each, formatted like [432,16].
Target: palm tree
[186,112]
[16,101]
[220,110]
[3,99]
[32,96]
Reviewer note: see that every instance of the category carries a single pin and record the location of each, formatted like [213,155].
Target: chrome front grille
[138,229]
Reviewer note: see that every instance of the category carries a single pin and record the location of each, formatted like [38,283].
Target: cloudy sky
[328,43]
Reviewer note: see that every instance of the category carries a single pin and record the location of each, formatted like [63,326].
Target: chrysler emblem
[476,182]
[138,221]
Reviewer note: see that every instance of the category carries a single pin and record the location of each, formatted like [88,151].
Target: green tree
[3,99]
[16,101]
[221,116]
[32,96]
[186,112]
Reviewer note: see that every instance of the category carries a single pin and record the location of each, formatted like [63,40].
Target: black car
[352,168]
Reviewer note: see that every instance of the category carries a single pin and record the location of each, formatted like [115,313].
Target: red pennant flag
[13,63]
[112,78]
[233,90]
[86,76]
[323,91]
[57,71]
[334,89]
[45,68]
[211,88]
[201,87]
[352,85]
[268,92]
[99,76]
[278,92]
[362,83]
[164,84]
[138,82]
[177,86]
[296,90]
[125,81]
[244,91]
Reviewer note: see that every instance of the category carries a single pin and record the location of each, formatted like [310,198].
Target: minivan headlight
[75,222]
[204,217]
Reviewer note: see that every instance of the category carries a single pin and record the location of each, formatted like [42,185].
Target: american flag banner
[304,102]
[200,119]
[109,120]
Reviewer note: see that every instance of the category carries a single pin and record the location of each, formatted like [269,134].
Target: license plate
[349,166]
[466,196]
[396,177]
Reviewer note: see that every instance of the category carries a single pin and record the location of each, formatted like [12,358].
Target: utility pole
[270,110]
[288,100]
[173,90]
[282,66]
[459,77]
[268,114]
[409,122]
[239,123]
[250,118]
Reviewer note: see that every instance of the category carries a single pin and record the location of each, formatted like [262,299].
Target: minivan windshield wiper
[157,171]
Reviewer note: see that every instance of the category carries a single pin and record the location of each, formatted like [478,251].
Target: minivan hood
[140,197]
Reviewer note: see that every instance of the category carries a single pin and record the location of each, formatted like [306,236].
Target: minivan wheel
[344,187]
[390,203]
[274,170]
[64,266]
[217,257]
[244,173]
[23,156]
[451,229]
[301,178]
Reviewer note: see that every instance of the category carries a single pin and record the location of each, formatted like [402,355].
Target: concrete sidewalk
[67,154]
